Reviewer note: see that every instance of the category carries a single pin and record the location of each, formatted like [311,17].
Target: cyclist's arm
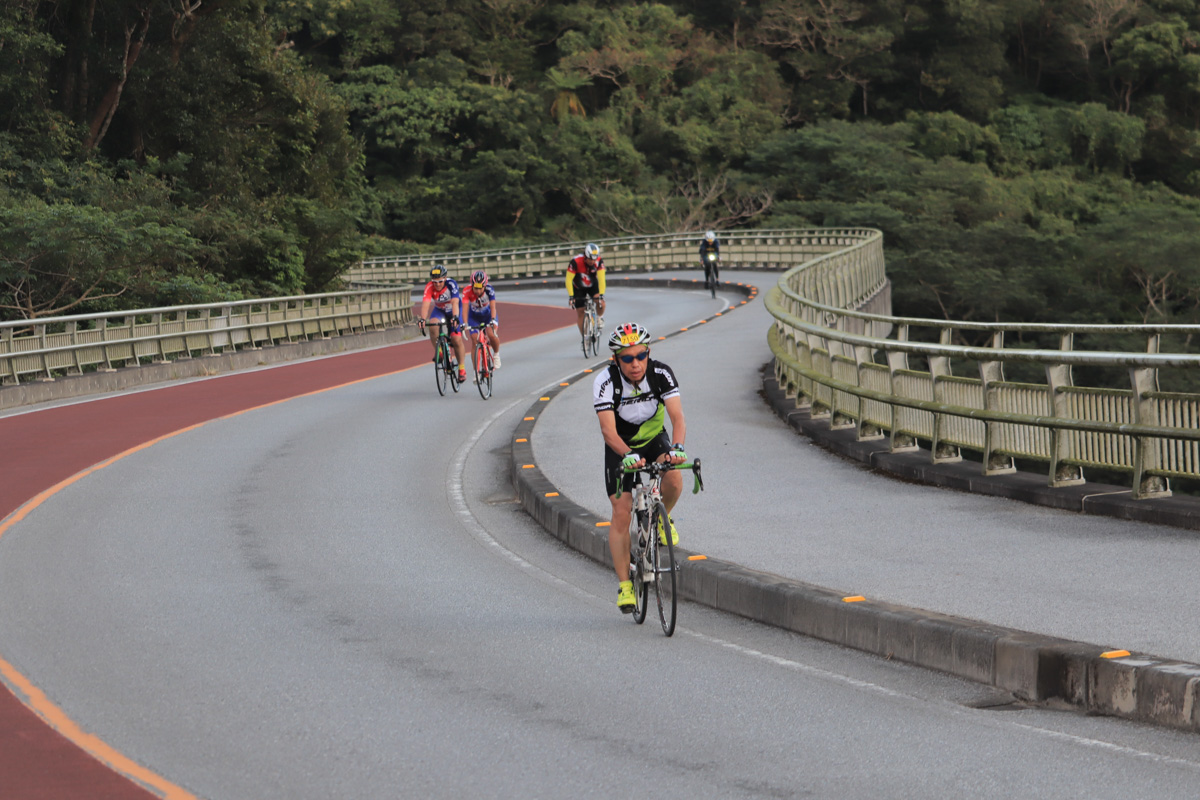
[608,427]
[600,278]
[678,423]
[425,309]
[495,310]
[570,283]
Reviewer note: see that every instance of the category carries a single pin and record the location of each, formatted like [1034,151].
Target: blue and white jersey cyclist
[442,294]
[633,399]
[482,312]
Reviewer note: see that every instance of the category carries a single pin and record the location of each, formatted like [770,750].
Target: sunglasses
[439,280]
[639,357]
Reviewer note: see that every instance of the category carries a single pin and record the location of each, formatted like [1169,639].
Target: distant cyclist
[442,293]
[710,244]
[630,398]
[585,278]
[480,300]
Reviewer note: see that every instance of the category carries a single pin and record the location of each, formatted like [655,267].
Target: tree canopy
[1026,159]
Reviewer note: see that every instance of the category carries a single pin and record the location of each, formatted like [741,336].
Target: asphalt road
[337,596]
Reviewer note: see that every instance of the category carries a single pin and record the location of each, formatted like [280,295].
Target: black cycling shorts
[582,292]
[612,462]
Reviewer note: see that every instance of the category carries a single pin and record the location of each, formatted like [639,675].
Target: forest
[1027,160]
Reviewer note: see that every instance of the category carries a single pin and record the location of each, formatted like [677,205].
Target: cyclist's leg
[622,509]
[456,340]
[579,313]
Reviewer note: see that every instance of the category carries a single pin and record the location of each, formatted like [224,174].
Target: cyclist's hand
[632,461]
[421,323]
[600,298]
[676,454]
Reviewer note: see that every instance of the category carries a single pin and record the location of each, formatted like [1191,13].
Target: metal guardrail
[44,348]
[854,367]
[763,248]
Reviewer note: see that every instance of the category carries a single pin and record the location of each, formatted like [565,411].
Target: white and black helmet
[628,334]
[709,236]
[591,251]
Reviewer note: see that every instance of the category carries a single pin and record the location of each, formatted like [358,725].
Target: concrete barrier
[1033,667]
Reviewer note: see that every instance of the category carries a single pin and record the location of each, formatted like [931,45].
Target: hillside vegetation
[1025,159]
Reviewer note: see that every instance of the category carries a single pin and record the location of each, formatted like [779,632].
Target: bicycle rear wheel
[483,370]
[440,371]
[663,559]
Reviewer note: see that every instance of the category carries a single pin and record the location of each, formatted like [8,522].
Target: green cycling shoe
[625,599]
[662,535]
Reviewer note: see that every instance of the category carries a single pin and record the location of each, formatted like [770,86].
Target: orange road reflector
[528,418]
[697,558]
[543,399]
[703,321]
[858,598]
[527,466]
[1115,654]
[522,440]
[683,329]
[603,524]
[564,384]
[718,313]
[551,494]
[661,338]
[587,370]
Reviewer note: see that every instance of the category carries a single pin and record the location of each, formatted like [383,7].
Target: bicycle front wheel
[663,559]
[637,571]
[595,338]
[588,331]
[483,370]
[440,369]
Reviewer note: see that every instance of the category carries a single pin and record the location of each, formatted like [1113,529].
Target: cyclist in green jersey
[633,398]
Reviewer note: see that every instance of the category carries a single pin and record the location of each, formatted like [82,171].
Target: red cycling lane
[46,447]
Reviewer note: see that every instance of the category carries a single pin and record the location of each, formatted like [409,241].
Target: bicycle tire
[440,372]
[595,338]
[587,332]
[641,588]
[483,370]
[663,560]
[452,368]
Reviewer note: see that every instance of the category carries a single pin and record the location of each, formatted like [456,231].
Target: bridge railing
[47,347]
[855,368]
[764,248]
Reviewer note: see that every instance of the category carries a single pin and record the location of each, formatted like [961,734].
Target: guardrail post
[939,367]
[10,372]
[1058,376]
[897,361]
[992,372]
[866,430]
[1144,381]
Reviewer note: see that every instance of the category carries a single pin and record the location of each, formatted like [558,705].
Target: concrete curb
[1032,667]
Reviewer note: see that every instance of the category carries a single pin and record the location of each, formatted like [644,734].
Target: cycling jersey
[583,278]
[706,246]
[481,301]
[639,409]
[444,300]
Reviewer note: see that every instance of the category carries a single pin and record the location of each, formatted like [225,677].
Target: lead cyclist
[631,398]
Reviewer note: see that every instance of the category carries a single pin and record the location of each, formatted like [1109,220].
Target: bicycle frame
[651,558]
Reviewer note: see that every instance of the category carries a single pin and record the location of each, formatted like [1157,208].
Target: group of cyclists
[633,398]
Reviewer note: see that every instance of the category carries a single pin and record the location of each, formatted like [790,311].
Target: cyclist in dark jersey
[633,398]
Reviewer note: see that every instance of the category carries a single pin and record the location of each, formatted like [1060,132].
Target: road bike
[710,273]
[651,552]
[483,360]
[591,328]
[445,366]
